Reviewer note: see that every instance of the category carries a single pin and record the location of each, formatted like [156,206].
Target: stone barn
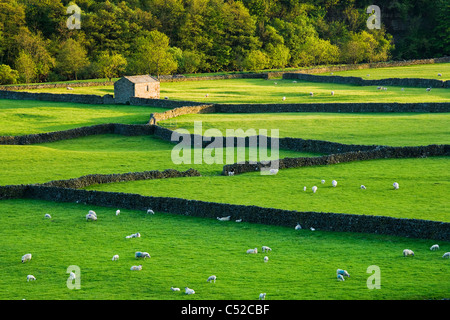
[143,86]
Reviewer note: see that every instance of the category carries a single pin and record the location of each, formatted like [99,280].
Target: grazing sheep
[117,212]
[224,218]
[134,235]
[323,181]
[26,257]
[294,81]
[150,211]
[72,276]
[284,98]
[91,217]
[252,250]
[266,248]
[403,89]
[340,277]
[262,296]
[166,98]
[140,254]
[188,291]
[298,226]
[266,258]
[47,216]
[312,229]
[139,267]
[334,183]
[363,187]
[314,189]
[92,212]
[211,278]
[304,188]
[408,252]
[396,185]
[384,88]
[332,93]
[174,289]
[311,94]
[428,89]
[434,247]
[69,88]
[446,255]
[239,220]
[379,88]
[206,95]
[439,74]
[342,273]
[30,277]
[275,83]
[273,171]
[115,257]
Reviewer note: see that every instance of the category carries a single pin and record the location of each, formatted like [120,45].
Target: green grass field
[266,91]
[302,264]
[185,250]
[425,71]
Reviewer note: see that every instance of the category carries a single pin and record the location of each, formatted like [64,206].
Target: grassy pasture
[393,129]
[302,264]
[423,194]
[266,91]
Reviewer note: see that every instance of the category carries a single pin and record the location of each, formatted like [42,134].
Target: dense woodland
[190,36]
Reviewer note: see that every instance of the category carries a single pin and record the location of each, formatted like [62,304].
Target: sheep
[342,273]
[69,88]
[262,296]
[332,93]
[239,220]
[188,291]
[252,250]
[363,187]
[439,74]
[30,277]
[294,81]
[134,235]
[314,189]
[323,181]
[140,254]
[273,171]
[211,278]
[304,188]
[150,211]
[117,212]
[91,217]
[206,95]
[92,212]
[224,218]
[298,226]
[434,247]
[26,257]
[266,248]
[428,89]
[379,88]
[312,229]
[446,255]
[72,276]
[48,216]
[334,183]
[115,257]
[396,185]
[340,277]
[275,83]
[311,94]
[166,98]
[284,98]
[266,258]
[408,252]
[174,289]
[139,267]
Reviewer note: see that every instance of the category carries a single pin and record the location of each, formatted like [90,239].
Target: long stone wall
[340,222]
[63,97]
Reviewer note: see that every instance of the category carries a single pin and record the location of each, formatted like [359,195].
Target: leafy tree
[71,58]
[256,60]
[8,75]
[110,65]
[26,67]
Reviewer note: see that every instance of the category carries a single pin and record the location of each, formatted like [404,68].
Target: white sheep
[252,250]
[332,93]
[439,74]
[334,183]
[304,188]
[117,212]
[224,218]
[266,258]
[298,226]
[311,94]
[434,247]
[72,276]
[275,83]
[134,235]
[166,98]
[92,212]
[314,189]
[266,248]
[342,273]
[284,98]
[239,220]
[140,254]
[340,277]
[294,81]
[262,296]
[312,229]
[273,171]
[26,257]
[48,216]
[139,267]
[174,289]
[211,278]
[150,211]
[428,89]
[206,95]
[30,277]
[396,185]
[188,291]
[446,255]
[115,257]
[408,252]
[69,88]
[323,181]
[363,187]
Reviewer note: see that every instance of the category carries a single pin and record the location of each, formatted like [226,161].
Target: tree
[255,60]
[71,58]
[110,65]
[153,55]
[279,55]
[26,67]
[8,75]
